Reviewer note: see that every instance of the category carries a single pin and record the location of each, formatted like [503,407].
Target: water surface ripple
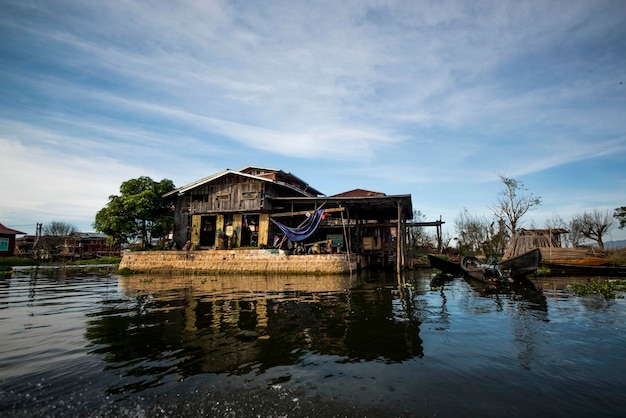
[88,344]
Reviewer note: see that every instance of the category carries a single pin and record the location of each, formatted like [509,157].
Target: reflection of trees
[527,308]
[178,333]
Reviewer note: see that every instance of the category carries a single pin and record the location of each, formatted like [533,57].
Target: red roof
[9,231]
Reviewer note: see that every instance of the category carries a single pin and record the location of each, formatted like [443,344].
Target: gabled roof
[200,182]
[358,193]
[9,231]
[306,185]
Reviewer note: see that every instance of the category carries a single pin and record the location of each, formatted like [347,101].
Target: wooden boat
[522,265]
[445,266]
[484,271]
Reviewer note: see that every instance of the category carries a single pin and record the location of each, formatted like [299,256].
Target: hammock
[303,232]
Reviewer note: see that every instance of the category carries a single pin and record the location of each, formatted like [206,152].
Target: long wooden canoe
[445,266]
[523,264]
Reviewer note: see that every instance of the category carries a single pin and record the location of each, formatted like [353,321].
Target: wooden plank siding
[233,209]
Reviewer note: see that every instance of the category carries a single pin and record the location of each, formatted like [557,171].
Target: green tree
[620,215]
[513,203]
[139,212]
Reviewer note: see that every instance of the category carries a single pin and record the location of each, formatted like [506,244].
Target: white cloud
[393,94]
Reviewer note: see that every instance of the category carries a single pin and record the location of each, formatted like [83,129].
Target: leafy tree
[620,215]
[513,203]
[593,225]
[140,211]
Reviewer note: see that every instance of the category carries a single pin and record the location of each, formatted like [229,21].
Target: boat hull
[488,273]
[445,266]
[523,264]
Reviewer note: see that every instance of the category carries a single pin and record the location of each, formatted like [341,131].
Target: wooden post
[195,230]
[237,225]
[399,240]
[347,240]
[219,228]
[264,229]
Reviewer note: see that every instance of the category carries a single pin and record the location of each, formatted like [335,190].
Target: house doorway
[207,231]
[250,231]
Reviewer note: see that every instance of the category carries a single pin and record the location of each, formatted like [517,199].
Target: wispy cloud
[390,94]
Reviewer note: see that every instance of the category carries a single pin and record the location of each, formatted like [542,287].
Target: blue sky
[432,99]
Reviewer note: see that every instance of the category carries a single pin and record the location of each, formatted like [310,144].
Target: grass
[16,261]
[101,260]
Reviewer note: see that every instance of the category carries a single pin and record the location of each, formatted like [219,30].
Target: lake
[80,343]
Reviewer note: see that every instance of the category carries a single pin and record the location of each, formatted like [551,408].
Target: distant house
[7,240]
[76,245]
[243,208]
[89,245]
[528,239]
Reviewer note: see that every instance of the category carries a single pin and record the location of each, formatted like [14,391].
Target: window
[4,244]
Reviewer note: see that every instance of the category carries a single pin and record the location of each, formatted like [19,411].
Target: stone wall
[237,261]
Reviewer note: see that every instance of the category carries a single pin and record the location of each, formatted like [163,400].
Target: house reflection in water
[187,325]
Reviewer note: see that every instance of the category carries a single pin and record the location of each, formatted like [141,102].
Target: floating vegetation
[542,271]
[606,288]
[100,260]
[125,271]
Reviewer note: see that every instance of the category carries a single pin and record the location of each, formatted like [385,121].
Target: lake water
[99,344]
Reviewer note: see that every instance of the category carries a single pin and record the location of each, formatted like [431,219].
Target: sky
[435,99]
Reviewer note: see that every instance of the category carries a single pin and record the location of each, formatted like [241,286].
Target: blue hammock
[303,232]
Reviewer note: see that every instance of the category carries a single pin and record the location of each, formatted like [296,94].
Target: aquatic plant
[125,272]
[100,260]
[598,287]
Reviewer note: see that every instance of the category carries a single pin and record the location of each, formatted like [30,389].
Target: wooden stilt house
[249,208]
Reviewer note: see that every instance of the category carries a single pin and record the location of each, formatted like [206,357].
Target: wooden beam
[434,223]
[303,212]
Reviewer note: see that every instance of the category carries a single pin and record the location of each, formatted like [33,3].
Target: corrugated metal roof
[202,181]
[359,193]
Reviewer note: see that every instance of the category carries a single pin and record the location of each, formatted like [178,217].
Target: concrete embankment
[237,261]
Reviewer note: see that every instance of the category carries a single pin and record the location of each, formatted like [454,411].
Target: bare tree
[497,238]
[416,234]
[556,222]
[53,238]
[513,203]
[472,230]
[593,225]
[446,238]
[59,229]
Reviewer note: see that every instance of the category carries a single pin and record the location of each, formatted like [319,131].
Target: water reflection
[90,345]
[187,325]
